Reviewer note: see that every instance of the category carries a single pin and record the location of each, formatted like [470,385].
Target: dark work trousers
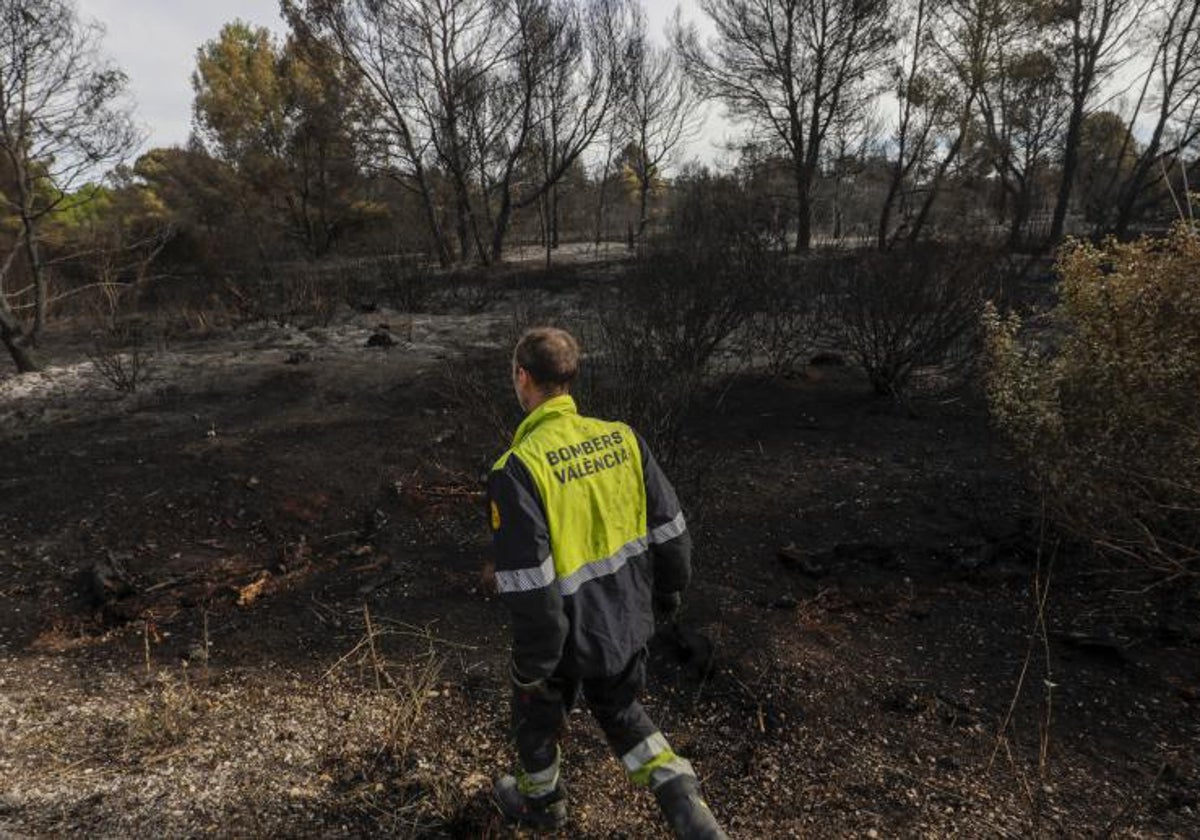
[539,716]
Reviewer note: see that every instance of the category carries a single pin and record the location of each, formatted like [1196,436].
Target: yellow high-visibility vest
[589,475]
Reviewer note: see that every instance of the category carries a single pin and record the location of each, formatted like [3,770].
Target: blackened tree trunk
[441,249]
[553,206]
[803,207]
[1070,168]
[16,342]
[1094,32]
[931,195]
[12,332]
[500,229]
[1020,210]
[643,206]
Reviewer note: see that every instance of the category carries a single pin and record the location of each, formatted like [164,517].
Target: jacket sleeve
[525,576]
[670,541]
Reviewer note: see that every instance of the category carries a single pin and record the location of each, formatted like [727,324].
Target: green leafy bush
[1102,402]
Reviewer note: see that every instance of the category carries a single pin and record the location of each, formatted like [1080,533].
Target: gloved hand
[666,607]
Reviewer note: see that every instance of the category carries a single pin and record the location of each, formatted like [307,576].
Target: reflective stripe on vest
[526,580]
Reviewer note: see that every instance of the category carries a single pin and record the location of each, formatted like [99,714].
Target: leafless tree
[563,83]
[1172,87]
[1023,109]
[792,67]
[611,141]
[457,47]
[556,38]
[376,38]
[62,121]
[964,35]
[659,111]
[1088,37]
[926,104]
[849,143]
[500,97]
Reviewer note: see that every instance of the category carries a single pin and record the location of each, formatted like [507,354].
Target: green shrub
[1102,401]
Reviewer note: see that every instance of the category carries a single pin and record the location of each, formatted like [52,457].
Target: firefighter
[590,545]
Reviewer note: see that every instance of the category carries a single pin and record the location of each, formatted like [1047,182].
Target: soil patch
[252,599]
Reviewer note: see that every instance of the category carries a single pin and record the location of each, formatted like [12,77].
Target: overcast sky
[155,44]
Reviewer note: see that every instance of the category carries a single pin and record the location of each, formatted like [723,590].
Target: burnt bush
[120,353]
[313,293]
[469,290]
[912,308]
[310,295]
[714,213]
[406,283]
[670,325]
[659,338]
[791,318]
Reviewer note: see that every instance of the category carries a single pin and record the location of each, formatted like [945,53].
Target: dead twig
[344,658]
[1039,636]
[371,644]
[424,633]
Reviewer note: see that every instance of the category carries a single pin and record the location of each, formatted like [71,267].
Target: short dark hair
[549,355]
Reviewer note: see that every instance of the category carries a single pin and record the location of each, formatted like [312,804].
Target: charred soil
[252,599]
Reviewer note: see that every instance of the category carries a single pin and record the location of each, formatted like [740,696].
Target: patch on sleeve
[495,517]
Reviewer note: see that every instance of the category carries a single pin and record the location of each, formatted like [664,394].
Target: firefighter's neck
[529,393]
[535,399]
[531,396]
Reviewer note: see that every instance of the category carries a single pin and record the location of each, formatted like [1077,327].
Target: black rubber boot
[686,810]
[542,812]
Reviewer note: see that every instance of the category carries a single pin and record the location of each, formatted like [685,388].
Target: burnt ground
[252,600]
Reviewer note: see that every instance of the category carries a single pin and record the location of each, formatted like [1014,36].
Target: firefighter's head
[544,365]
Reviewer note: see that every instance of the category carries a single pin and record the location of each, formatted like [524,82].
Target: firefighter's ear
[520,381]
